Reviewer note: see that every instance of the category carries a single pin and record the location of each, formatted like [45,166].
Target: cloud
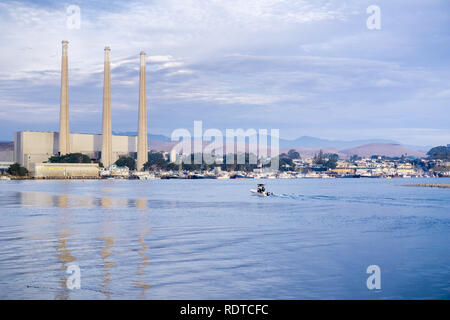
[178,26]
[306,67]
[443,94]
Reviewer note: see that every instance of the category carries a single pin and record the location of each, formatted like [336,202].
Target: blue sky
[304,67]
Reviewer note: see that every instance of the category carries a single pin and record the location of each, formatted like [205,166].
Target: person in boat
[261,188]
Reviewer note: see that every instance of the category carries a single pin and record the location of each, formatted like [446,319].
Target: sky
[304,67]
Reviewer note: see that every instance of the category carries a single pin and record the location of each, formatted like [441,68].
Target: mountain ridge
[306,142]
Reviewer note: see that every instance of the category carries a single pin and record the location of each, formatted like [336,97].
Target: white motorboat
[260,194]
[261,191]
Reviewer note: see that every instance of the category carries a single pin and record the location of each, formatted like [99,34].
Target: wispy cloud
[306,67]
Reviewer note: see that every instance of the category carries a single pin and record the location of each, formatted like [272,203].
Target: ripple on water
[197,239]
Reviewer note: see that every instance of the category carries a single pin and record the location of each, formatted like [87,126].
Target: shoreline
[430,185]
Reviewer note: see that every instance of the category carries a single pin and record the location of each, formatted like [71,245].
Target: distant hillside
[156,137]
[309,146]
[307,143]
[314,143]
[156,142]
[7,146]
[385,149]
[311,152]
[306,146]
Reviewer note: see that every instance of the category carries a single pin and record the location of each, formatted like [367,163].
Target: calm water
[210,239]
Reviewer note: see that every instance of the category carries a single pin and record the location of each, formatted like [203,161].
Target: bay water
[211,239]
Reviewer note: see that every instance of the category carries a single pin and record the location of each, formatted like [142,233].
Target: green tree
[125,161]
[100,164]
[331,163]
[156,160]
[441,152]
[70,158]
[17,170]
[233,165]
[327,160]
[286,164]
[293,154]
[319,159]
[420,164]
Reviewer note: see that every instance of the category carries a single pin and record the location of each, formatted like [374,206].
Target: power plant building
[32,147]
[65,170]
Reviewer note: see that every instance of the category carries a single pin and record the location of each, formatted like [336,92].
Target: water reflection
[107,264]
[213,241]
[62,201]
[66,230]
[141,204]
[142,266]
[63,253]
[66,201]
[105,203]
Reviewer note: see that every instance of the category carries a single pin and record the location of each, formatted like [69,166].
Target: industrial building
[32,148]
[65,170]
[36,147]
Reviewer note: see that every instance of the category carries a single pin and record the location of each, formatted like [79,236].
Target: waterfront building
[65,170]
[35,147]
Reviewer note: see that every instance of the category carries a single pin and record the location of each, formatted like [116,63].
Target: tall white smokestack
[106,129]
[64,135]
[142,150]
